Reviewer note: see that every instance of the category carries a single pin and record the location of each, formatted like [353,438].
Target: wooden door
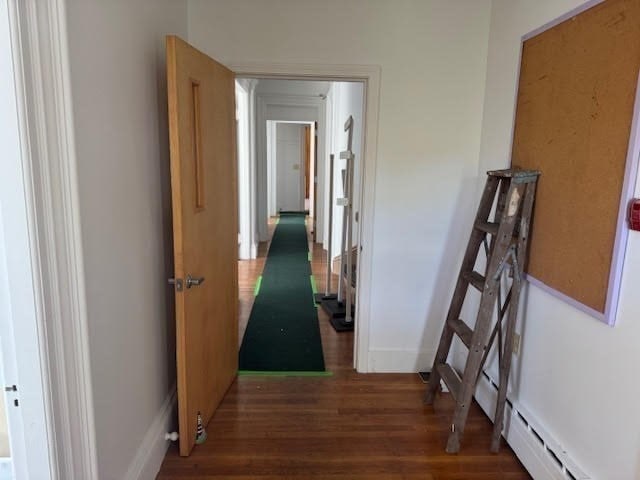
[201,95]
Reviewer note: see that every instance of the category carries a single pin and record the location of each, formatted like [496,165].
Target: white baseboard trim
[146,463]
[400,361]
[539,453]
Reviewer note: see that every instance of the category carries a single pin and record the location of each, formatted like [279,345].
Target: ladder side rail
[500,203]
[502,311]
[526,220]
[475,240]
[518,277]
[505,364]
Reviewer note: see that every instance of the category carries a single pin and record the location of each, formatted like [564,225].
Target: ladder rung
[463,331]
[451,379]
[475,279]
[488,227]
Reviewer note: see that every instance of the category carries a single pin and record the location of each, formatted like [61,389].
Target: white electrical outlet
[516,344]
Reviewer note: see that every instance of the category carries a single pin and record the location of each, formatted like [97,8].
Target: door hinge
[13,388]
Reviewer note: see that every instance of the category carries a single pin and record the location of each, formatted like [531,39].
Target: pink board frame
[628,185]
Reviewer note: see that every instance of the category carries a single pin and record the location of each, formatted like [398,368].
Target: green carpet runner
[283,334]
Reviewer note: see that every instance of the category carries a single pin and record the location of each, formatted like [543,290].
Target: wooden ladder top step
[515,174]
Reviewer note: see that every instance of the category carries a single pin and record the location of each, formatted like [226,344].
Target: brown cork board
[573,119]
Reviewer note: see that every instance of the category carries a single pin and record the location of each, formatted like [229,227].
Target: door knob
[191,281]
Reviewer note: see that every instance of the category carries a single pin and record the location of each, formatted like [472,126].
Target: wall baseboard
[543,457]
[146,463]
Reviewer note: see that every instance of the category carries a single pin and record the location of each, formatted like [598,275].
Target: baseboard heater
[539,453]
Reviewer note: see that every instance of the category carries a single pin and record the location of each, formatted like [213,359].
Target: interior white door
[289,167]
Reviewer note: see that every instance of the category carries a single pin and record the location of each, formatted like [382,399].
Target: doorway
[289,164]
[297,124]
[370,77]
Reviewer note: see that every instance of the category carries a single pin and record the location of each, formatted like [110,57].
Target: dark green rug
[283,334]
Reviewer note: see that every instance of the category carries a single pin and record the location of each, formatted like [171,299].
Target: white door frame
[370,76]
[247,174]
[247,243]
[41,62]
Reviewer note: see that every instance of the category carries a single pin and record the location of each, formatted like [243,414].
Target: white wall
[432,56]
[292,87]
[289,167]
[119,104]
[575,375]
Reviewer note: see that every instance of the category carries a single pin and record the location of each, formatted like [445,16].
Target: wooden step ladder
[505,240]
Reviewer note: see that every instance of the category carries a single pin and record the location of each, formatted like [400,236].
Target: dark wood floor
[347,426]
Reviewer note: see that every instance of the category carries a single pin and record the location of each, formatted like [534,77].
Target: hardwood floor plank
[347,426]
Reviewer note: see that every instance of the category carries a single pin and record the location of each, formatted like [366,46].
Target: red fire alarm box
[634,214]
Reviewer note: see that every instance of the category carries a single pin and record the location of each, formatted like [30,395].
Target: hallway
[347,426]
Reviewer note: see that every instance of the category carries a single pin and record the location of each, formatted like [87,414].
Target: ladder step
[451,379]
[488,227]
[475,279]
[463,331]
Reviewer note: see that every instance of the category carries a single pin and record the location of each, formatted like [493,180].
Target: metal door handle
[190,281]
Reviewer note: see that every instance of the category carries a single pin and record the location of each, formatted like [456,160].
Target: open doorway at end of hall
[291,165]
[287,130]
